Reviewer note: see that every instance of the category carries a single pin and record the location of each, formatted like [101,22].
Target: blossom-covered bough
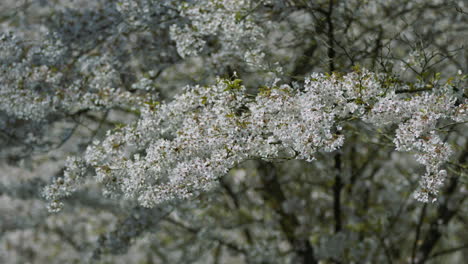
[225,131]
[185,146]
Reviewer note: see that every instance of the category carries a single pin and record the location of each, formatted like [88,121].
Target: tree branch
[289,222]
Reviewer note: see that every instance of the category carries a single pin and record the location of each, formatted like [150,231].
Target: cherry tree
[233,131]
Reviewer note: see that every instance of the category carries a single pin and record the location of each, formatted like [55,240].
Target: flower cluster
[417,118]
[64,185]
[225,27]
[32,86]
[180,148]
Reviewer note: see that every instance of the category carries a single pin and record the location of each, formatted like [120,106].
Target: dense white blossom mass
[180,148]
